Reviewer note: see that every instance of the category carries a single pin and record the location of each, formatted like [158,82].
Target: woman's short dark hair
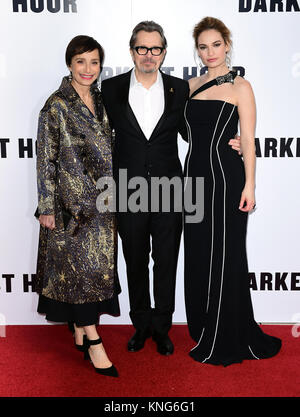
[147,26]
[81,44]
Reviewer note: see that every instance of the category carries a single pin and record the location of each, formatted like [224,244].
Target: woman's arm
[47,154]
[247,115]
[47,221]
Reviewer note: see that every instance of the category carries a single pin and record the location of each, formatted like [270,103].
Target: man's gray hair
[147,26]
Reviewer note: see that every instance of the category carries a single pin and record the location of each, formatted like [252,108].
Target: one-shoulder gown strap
[227,78]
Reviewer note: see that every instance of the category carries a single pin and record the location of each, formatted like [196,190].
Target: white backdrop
[34,35]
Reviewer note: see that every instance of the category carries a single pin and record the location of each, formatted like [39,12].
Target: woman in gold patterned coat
[77,259]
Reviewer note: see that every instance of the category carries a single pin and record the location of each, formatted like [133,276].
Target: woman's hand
[47,221]
[247,201]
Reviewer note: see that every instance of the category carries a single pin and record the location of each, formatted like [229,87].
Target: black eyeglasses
[143,50]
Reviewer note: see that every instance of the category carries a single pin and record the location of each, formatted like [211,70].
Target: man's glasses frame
[143,50]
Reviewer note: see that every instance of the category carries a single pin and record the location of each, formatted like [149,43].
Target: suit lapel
[124,102]
[129,114]
[169,95]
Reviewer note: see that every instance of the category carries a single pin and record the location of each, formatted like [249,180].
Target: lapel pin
[171,90]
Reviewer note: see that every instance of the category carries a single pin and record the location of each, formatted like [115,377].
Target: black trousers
[160,234]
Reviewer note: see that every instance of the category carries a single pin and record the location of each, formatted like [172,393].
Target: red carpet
[41,361]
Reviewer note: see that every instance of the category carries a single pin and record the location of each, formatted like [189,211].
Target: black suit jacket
[157,156]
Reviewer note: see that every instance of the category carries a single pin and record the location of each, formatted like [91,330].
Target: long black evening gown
[217,294]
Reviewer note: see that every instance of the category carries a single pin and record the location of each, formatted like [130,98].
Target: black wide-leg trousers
[159,234]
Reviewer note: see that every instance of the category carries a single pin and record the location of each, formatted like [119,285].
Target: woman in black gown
[217,295]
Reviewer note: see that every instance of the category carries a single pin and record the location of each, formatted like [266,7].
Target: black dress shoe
[138,340]
[164,344]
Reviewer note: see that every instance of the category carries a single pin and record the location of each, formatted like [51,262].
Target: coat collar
[71,95]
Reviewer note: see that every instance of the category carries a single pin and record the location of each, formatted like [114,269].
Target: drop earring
[198,61]
[99,83]
[228,60]
[70,77]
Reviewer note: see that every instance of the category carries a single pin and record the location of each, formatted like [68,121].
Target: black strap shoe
[138,340]
[111,371]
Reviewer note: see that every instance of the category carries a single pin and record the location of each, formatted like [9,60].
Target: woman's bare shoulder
[241,84]
[244,93]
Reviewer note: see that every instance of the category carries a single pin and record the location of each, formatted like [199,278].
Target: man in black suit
[145,107]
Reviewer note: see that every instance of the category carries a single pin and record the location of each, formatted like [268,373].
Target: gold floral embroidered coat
[76,262]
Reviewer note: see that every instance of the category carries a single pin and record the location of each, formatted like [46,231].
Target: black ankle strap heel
[94,342]
[111,371]
[82,348]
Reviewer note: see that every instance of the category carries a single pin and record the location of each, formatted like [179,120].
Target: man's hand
[236,144]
